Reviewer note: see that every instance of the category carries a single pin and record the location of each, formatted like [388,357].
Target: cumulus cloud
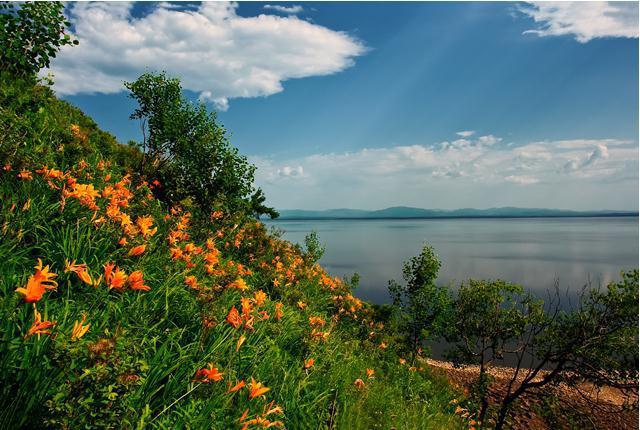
[284,9]
[290,172]
[524,180]
[217,53]
[466,133]
[584,20]
[461,173]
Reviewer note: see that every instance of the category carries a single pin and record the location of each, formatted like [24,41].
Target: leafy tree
[421,304]
[595,342]
[31,33]
[189,152]
[488,318]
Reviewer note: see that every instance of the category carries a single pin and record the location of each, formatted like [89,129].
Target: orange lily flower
[115,278]
[208,374]
[240,284]
[40,281]
[260,297]
[316,321]
[309,363]
[39,327]
[233,318]
[257,389]
[247,307]
[211,258]
[301,304]
[237,387]
[144,224]
[359,383]
[79,329]
[136,282]
[137,250]
[191,281]
[279,313]
[80,270]
[25,175]
[370,373]
[382,345]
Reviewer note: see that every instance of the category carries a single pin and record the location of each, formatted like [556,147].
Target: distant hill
[404,212]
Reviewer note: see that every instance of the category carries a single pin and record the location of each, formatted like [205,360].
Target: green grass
[134,368]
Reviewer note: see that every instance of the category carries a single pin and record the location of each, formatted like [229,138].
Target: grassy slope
[134,368]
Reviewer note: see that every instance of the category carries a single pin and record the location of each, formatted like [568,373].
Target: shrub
[421,304]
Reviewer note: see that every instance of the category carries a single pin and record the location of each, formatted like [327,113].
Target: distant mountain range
[403,212]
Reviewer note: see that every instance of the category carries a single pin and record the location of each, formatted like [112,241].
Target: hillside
[120,312]
[403,212]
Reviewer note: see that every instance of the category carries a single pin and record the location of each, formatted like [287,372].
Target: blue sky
[368,105]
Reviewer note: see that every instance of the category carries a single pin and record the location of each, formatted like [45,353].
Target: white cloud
[466,133]
[479,172]
[584,20]
[284,9]
[215,52]
[290,172]
[524,180]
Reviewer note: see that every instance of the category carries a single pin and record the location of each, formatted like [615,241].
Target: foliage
[40,129]
[314,249]
[489,318]
[188,151]
[31,33]
[595,342]
[422,305]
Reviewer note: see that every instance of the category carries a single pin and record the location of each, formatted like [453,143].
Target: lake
[533,252]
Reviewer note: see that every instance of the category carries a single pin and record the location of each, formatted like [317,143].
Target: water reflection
[533,252]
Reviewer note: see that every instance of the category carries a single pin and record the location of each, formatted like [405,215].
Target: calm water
[533,252]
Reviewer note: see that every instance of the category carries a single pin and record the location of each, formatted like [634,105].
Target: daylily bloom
[137,250]
[239,283]
[211,258]
[309,363]
[382,345]
[37,284]
[259,297]
[247,307]
[191,281]
[115,278]
[236,387]
[79,329]
[123,241]
[25,175]
[301,304]
[233,318]
[257,389]
[136,282]
[270,409]
[370,373]
[240,342]
[208,374]
[359,383]
[279,313]
[316,321]
[145,223]
[39,327]
[80,270]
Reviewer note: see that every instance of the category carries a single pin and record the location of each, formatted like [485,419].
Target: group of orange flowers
[288,269]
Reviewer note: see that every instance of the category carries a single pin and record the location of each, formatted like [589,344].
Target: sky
[371,105]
